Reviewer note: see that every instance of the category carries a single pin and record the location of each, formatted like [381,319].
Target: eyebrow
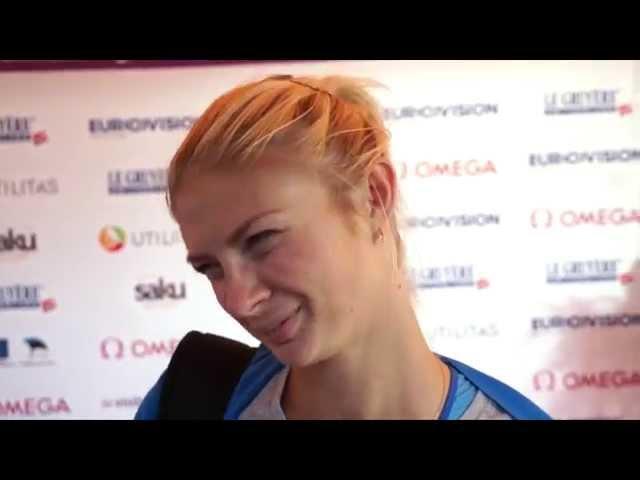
[234,237]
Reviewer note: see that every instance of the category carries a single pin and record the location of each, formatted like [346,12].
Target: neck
[389,374]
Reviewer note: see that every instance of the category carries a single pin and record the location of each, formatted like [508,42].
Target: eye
[259,243]
[262,243]
[211,271]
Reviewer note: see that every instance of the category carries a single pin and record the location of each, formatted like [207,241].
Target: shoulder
[150,406]
[507,398]
[199,379]
[264,366]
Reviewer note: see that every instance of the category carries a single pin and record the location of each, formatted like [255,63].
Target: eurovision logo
[578,322]
[136,125]
[584,157]
[440,111]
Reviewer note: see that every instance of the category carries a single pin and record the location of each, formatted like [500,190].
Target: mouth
[285,330]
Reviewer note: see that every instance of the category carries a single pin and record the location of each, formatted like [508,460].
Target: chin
[292,354]
[298,353]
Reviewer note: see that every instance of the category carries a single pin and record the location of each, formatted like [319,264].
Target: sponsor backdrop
[521,194]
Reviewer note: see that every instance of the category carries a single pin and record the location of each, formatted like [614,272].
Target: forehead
[274,176]
[212,203]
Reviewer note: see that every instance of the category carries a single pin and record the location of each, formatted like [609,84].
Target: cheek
[318,265]
[217,292]
[304,265]
[294,262]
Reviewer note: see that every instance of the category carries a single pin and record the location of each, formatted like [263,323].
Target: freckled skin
[316,262]
[355,348]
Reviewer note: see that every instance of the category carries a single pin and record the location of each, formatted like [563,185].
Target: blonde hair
[333,120]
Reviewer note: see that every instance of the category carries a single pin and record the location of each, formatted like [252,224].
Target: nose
[241,293]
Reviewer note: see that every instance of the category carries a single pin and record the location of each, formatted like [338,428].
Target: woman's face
[280,256]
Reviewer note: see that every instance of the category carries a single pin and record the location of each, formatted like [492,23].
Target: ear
[382,183]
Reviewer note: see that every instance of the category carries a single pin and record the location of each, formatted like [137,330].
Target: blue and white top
[472,395]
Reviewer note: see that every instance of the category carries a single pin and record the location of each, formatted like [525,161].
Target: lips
[273,330]
[285,331]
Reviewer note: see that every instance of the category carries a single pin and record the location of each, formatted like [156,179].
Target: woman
[287,200]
